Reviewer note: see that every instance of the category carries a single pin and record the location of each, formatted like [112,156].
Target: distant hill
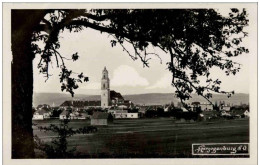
[164,98]
[148,99]
[59,98]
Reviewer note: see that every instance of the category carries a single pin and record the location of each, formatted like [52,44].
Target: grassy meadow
[148,138]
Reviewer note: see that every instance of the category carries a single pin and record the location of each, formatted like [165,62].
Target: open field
[144,138]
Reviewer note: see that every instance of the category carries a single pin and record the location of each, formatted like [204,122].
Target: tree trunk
[22,24]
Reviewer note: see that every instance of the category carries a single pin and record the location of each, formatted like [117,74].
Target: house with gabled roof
[64,114]
[101,118]
[41,114]
[240,112]
[246,113]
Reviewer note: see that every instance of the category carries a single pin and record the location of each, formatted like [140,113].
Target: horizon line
[123,94]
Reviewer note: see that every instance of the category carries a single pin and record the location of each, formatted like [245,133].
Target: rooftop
[100,115]
[81,103]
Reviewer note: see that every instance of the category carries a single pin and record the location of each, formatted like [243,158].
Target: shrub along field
[149,138]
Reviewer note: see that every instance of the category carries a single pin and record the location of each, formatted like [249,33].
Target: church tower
[105,91]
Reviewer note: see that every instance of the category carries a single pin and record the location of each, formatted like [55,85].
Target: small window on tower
[104,76]
[104,85]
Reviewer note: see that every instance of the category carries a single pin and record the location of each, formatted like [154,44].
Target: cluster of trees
[56,112]
[175,112]
[240,107]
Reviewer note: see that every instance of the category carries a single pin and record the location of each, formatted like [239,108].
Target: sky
[126,76]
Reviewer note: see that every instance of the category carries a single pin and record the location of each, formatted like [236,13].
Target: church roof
[114,94]
[81,103]
[105,69]
[92,103]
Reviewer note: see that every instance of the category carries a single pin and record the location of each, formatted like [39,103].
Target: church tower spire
[105,89]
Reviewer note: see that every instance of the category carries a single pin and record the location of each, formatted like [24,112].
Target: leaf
[63,87]
[80,75]
[86,79]
[75,56]
[234,10]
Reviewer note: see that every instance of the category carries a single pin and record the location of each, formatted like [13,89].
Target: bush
[59,145]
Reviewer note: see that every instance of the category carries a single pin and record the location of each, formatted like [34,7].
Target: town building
[142,109]
[116,98]
[65,114]
[125,115]
[84,115]
[101,118]
[202,106]
[41,114]
[132,115]
[225,113]
[240,113]
[206,107]
[114,111]
[118,101]
[225,108]
[77,105]
[122,114]
[37,116]
[69,114]
[246,113]
[111,98]
[167,108]
[207,115]
[43,106]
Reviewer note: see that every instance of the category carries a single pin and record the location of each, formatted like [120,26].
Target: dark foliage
[196,40]
[133,110]
[56,112]
[240,107]
[151,113]
[190,115]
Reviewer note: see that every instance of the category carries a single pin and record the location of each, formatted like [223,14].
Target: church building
[108,98]
[111,98]
[105,91]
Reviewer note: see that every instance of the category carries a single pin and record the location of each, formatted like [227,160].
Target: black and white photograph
[130,82]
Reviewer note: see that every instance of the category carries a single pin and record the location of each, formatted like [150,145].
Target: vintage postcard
[132,83]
